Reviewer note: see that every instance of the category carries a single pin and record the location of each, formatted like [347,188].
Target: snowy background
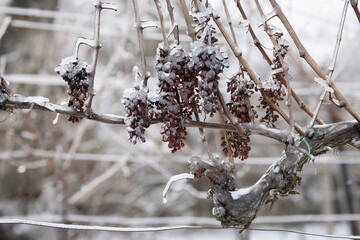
[128,179]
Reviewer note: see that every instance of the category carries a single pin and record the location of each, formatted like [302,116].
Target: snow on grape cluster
[273,86]
[208,62]
[136,112]
[241,90]
[75,73]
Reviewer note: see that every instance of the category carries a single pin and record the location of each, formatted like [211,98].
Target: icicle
[55,121]
[175,178]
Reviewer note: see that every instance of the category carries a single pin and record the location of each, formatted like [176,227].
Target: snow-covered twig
[228,17]
[139,28]
[175,29]
[175,178]
[161,18]
[190,29]
[250,71]
[312,63]
[332,65]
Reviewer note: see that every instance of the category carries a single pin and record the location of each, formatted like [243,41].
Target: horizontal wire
[157,229]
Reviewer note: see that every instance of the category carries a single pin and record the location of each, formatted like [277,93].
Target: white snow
[240,192]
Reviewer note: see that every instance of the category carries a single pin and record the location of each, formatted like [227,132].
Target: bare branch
[229,21]
[171,14]
[354,4]
[304,54]
[251,73]
[139,28]
[190,29]
[257,43]
[161,18]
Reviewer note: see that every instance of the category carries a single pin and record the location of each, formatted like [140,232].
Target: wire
[156,229]
[304,233]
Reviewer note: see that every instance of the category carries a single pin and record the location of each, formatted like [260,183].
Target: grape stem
[95,45]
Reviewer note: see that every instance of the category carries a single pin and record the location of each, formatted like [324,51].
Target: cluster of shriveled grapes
[275,91]
[241,91]
[170,67]
[136,113]
[75,73]
[208,62]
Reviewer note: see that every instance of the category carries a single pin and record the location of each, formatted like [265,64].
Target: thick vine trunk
[238,207]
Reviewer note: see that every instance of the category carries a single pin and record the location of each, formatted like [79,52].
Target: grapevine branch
[251,73]
[284,66]
[139,28]
[307,57]
[17,101]
[333,62]
[257,43]
[95,45]
[239,207]
[172,18]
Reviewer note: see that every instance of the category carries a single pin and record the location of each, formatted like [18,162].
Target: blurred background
[89,173]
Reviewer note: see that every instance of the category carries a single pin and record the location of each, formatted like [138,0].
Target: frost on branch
[76,74]
[135,104]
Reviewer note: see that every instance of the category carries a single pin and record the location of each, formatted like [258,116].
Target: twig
[139,28]
[354,4]
[21,102]
[190,30]
[235,122]
[252,33]
[175,178]
[251,73]
[95,45]
[203,138]
[285,70]
[229,21]
[332,64]
[161,18]
[257,43]
[307,57]
[171,14]
[226,135]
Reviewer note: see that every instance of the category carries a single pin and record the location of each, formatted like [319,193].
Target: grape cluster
[75,73]
[241,91]
[208,62]
[273,87]
[172,87]
[136,114]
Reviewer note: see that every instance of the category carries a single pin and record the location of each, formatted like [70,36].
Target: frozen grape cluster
[208,62]
[76,74]
[273,86]
[170,108]
[241,90]
[136,113]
